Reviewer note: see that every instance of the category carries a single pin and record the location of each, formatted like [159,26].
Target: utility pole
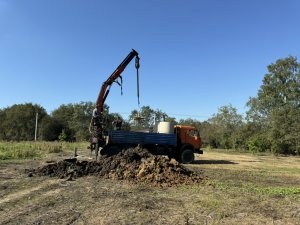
[36,123]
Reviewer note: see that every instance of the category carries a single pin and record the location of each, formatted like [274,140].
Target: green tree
[51,128]
[191,122]
[2,130]
[75,118]
[225,128]
[80,120]
[142,119]
[275,109]
[147,118]
[208,135]
[63,136]
[18,121]
[284,132]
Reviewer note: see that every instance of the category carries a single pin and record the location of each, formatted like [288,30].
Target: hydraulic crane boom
[114,76]
[98,122]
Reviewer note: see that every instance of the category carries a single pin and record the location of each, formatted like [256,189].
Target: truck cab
[188,135]
[188,143]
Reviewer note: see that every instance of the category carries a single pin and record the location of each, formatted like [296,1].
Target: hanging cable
[121,78]
[137,66]
[120,84]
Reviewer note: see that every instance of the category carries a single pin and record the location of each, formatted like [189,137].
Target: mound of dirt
[135,165]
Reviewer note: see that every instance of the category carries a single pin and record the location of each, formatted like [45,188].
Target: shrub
[258,143]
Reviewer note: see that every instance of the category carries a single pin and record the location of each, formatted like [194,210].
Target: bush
[258,143]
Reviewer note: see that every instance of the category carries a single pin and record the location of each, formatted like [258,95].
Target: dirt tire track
[23,193]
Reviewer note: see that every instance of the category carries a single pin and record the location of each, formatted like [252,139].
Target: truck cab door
[192,137]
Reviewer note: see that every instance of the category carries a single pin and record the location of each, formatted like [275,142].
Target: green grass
[31,150]
[237,151]
[254,188]
[278,191]
[21,150]
[253,178]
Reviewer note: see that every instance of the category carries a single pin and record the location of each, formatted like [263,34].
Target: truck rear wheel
[187,156]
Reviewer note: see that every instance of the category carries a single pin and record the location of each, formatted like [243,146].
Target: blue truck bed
[130,137]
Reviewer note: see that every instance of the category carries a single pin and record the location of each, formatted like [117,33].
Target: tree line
[272,122]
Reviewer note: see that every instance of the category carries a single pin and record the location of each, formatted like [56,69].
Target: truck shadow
[213,162]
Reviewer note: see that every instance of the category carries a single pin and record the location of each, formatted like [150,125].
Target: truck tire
[187,156]
[113,150]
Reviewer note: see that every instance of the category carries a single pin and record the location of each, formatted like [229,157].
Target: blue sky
[196,55]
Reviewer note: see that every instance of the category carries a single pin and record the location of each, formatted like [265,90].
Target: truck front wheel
[187,156]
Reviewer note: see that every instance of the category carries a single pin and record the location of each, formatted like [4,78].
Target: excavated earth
[135,165]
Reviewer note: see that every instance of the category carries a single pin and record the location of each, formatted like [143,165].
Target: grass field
[238,189]
[35,150]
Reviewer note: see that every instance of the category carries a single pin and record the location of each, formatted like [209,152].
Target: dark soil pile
[135,165]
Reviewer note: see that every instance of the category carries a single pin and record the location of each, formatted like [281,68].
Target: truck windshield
[193,133]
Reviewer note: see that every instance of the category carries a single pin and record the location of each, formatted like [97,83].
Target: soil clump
[135,165]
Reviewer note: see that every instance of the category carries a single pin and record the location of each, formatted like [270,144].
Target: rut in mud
[135,165]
